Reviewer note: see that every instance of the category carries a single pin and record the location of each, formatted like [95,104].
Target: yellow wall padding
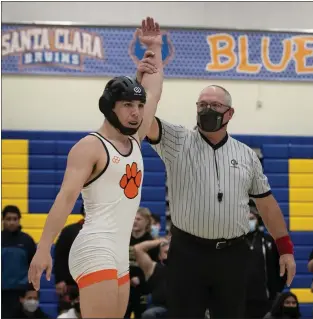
[300,165]
[22,204]
[301,209]
[301,180]
[301,223]
[33,224]
[15,191]
[15,161]
[14,176]
[297,195]
[38,220]
[34,233]
[15,147]
[304,295]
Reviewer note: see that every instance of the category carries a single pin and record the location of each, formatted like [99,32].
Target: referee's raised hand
[287,263]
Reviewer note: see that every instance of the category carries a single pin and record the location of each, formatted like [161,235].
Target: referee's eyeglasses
[215,106]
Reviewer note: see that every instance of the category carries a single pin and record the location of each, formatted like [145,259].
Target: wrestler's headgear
[120,88]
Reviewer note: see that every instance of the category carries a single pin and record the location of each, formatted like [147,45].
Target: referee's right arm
[166,139]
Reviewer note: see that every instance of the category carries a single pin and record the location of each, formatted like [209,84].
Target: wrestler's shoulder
[89,144]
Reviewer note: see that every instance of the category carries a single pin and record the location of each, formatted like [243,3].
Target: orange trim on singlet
[123,280]
[95,277]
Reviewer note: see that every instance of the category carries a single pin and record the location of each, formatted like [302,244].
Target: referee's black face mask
[210,120]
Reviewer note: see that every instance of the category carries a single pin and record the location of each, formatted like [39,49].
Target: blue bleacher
[281,194]
[306,310]
[285,151]
[285,208]
[275,166]
[278,180]
[254,141]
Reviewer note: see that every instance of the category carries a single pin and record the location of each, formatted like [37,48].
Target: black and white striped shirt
[197,171]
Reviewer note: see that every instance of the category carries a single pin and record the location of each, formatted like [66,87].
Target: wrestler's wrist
[44,246]
[284,245]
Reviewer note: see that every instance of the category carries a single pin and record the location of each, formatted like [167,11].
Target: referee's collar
[215,146]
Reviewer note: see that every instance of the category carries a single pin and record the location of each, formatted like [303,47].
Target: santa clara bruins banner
[198,54]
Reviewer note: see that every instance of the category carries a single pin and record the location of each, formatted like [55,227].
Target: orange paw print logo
[131,181]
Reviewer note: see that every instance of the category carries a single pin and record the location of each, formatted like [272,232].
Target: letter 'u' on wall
[285,59]
[217,51]
[302,52]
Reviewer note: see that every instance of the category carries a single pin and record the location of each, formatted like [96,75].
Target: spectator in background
[310,267]
[74,311]
[29,305]
[155,225]
[155,275]
[63,278]
[286,306]
[18,249]
[168,228]
[264,281]
[140,233]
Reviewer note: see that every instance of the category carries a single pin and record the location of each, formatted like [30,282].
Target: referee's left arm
[273,220]
[266,203]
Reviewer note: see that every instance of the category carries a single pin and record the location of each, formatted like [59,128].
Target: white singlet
[111,200]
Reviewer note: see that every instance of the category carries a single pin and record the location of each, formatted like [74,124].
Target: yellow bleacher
[301,194]
[15,174]
[301,223]
[300,166]
[301,180]
[22,204]
[14,191]
[14,161]
[15,147]
[15,186]
[304,295]
[301,209]
[33,223]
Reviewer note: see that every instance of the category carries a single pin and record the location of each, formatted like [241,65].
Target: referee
[211,177]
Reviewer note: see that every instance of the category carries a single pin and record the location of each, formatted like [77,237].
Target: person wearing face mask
[29,305]
[264,280]
[155,225]
[17,251]
[141,232]
[155,275]
[211,177]
[286,306]
[74,311]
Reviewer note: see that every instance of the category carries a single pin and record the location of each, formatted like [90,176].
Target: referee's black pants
[201,277]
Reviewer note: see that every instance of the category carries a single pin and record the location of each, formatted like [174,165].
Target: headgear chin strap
[120,88]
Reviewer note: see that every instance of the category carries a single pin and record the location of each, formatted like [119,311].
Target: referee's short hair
[228,98]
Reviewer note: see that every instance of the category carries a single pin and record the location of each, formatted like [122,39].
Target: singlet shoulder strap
[96,134]
[134,139]
[108,158]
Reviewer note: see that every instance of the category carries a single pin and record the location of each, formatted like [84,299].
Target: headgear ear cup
[106,100]
[119,89]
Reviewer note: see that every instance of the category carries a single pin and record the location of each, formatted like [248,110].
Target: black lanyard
[220,193]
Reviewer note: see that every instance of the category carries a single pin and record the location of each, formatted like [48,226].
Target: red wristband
[284,245]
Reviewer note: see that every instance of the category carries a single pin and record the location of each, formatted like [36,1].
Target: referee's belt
[213,243]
